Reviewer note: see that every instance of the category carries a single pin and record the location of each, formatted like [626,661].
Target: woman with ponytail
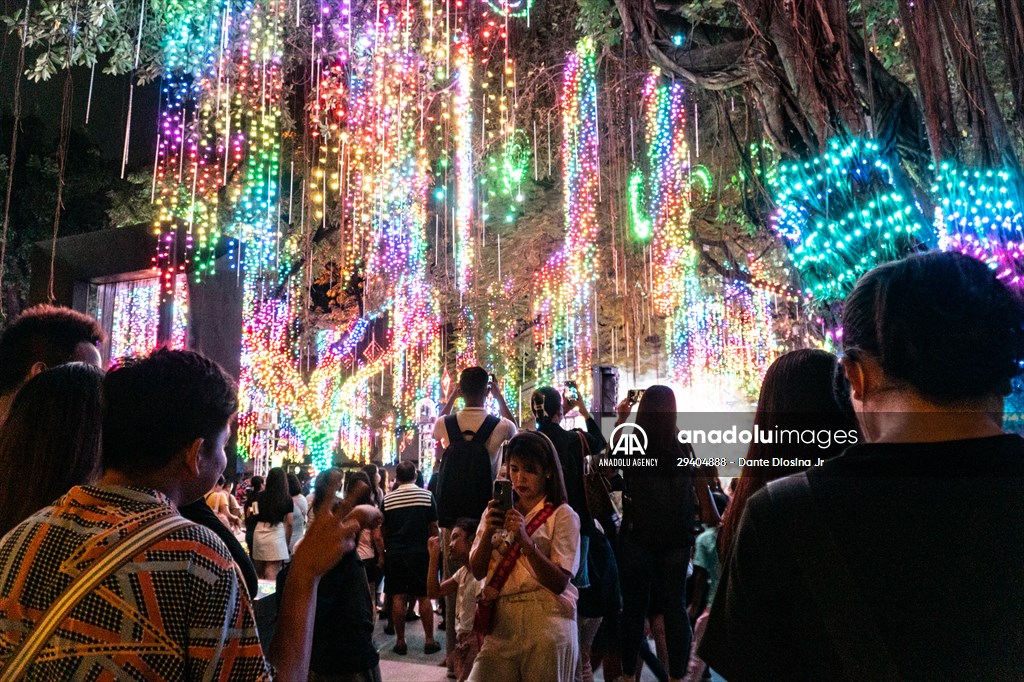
[572,446]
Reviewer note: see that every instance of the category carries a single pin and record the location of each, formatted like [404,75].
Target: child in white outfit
[466,589]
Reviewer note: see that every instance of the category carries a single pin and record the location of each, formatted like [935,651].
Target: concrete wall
[215,302]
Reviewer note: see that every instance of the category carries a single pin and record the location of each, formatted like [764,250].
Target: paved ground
[417,667]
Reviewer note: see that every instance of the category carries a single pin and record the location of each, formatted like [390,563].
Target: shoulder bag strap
[853,631]
[504,568]
[149,533]
[584,445]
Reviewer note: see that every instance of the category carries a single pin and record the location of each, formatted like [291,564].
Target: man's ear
[37,368]
[192,456]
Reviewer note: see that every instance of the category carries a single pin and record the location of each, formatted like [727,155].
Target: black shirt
[933,538]
[199,512]
[570,456]
[659,507]
[343,629]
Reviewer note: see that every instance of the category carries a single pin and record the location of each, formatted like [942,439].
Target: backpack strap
[451,424]
[486,429]
[852,630]
[148,533]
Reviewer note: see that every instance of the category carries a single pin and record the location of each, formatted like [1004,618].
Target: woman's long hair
[275,502]
[798,392]
[656,415]
[352,479]
[294,487]
[533,447]
[372,471]
[50,441]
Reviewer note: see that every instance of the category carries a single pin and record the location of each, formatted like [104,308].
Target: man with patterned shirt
[178,609]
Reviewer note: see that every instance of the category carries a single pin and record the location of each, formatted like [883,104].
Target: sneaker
[401,649]
[389,629]
[411,616]
[431,648]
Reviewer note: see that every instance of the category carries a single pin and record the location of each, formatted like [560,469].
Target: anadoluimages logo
[631,443]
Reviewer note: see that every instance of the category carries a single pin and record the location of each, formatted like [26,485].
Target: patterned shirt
[176,611]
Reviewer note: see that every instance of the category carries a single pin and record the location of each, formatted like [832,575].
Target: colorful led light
[463,111]
[563,293]
[718,337]
[842,214]
[637,212]
[979,212]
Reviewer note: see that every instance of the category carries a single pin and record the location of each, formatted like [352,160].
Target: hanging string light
[842,214]
[192,147]
[719,338]
[463,110]
[638,219]
[564,287]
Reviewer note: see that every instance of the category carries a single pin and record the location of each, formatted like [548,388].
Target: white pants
[532,641]
[587,632]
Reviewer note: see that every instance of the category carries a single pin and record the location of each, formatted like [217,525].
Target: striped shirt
[176,611]
[408,513]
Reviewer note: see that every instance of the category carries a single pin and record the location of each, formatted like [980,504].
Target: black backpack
[464,480]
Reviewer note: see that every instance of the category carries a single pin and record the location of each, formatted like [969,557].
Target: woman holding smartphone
[528,554]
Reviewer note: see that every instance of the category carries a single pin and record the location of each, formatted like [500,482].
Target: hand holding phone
[572,391]
[503,494]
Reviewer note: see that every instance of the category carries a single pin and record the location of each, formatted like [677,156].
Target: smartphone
[634,395]
[503,494]
[572,390]
[491,382]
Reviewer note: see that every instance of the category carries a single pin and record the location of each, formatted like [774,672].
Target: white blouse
[558,538]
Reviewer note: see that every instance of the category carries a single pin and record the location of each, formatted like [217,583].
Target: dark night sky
[108,112]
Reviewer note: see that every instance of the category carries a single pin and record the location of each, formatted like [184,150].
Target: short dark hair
[405,472]
[468,526]
[50,440]
[473,382]
[43,333]
[157,406]
[533,447]
[941,323]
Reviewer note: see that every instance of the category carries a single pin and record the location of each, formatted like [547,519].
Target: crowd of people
[897,557]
